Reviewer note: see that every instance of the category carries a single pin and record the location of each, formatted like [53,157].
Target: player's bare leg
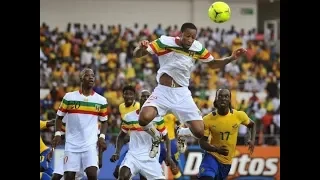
[194,129]
[125,173]
[146,115]
[68,175]
[56,176]
[92,173]
[175,170]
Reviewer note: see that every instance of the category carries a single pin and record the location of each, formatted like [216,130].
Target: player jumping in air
[177,56]
[84,109]
[137,159]
[45,166]
[222,126]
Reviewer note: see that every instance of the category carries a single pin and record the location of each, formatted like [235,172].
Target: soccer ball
[219,12]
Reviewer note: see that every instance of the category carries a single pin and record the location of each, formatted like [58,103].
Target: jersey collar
[92,92]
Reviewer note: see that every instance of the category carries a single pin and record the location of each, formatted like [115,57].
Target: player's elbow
[203,141]
[252,124]
[198,134]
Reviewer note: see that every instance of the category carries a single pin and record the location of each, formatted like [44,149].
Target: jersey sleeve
[103,113]
[161,127]
[43,124]
[205,55]
[156,47]
[63,108]
[244,119]
[206,126]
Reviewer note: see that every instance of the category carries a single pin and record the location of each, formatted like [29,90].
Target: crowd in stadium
[109,52]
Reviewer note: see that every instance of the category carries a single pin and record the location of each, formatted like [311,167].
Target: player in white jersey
[137,159]
[58,168]
[177,56]
[84,109]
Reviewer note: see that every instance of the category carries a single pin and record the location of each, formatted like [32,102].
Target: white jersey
[176,61]
[83,115]
[140,141]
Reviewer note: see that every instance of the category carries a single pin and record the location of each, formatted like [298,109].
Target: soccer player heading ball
[176,57]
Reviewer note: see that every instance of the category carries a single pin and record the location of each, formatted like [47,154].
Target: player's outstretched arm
[220,63]
[141,49]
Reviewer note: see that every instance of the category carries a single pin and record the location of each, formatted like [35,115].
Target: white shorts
[58,168]
[79,161]
[150,169]
[176,100]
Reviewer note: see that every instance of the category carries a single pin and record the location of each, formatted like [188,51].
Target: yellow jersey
[43,147]
[169,122]
[223,131]
[124,110]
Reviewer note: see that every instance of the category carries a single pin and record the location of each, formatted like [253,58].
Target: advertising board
[263,164]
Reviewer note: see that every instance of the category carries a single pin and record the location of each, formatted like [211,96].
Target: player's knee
[56,176]
[197,128]
[69,175]
[91,172]
[92,176]
[125,173]
[146,115]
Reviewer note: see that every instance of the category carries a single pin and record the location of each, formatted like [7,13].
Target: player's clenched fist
[238,52]
[114,157]
[223,150]
[144,44]
[102,144]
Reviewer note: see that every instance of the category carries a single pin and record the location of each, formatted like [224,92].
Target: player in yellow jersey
[130,104]
[45,167]
[170,121]
[222,125]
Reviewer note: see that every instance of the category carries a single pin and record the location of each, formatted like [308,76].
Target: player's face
[223,98]
[144,97]
[128,96]
[88,78]
[187,37]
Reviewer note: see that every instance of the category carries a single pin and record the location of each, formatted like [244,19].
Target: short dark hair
[188,25]
[128,88]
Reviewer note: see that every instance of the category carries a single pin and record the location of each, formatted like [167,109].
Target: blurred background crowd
[108,50]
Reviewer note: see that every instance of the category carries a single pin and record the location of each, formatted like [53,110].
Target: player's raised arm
[220,63]
[141,49]
[145,47]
